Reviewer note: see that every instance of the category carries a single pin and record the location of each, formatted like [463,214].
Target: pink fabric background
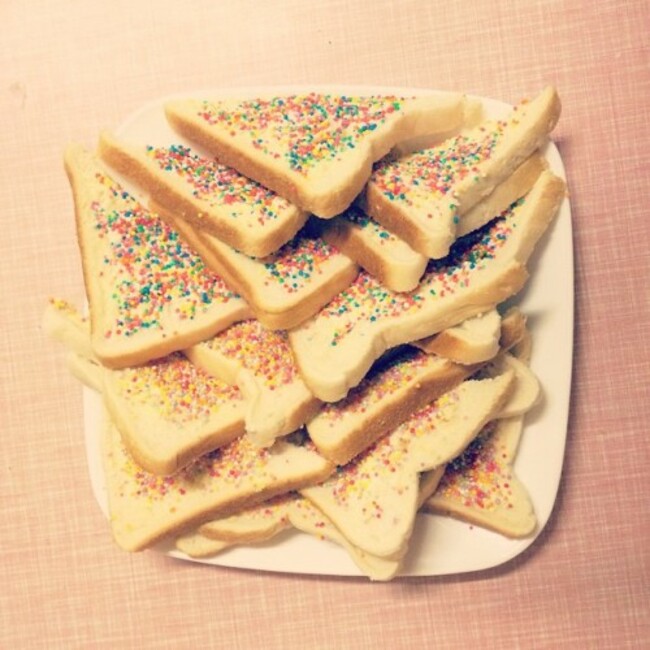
[71,67]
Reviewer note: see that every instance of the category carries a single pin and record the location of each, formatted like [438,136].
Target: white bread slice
[390,259]
[336,348]
[148,293]
[477,339]
[211,196]
[266,520]
[386,397]
[317,149]
[527,390]
[146,508]
[260,363]
[420,197]
[373,500]
[168,411]
[472,341]
[199,546]
[480,486]
[284,288]
[257,523]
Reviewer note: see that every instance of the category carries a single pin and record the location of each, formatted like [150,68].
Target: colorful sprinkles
[229,465]
[304,130]
[218,185]
[367,300]
[480,477]
[389,455]
[155,272]
[178,391]
[266,353]
[296,264]
[431,174]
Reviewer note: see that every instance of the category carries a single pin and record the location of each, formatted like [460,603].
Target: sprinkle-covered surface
[297,263]
[366,300]
[231,465]
[266,353]
[390,455]
[481,477]
[154,272]
[220,186]
[303,130]
[433,174]
[378,385]
[176,389]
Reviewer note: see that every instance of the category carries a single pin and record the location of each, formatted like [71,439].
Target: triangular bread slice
[260,363]
[390,259]
[207,194]
[336,348]
[283,289]
[373,500]
[146,508]
[421,197]
[480,486]
[314,149]
[387,396]
[168,411]
[148,293]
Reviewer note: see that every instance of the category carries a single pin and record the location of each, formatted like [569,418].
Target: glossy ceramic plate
[440,545]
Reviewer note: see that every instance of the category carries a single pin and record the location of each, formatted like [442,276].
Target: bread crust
[113,343]
[427,220]
[178,198]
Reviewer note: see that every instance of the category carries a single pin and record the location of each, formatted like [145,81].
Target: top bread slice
[316,149]
[421,197]
[148,293]
[336,348]
[211,196]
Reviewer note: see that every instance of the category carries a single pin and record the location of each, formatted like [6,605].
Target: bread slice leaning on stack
[149,294]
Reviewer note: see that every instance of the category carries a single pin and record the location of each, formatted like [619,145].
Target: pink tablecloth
[71,67]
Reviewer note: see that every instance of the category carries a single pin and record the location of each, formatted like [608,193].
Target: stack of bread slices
[298,317]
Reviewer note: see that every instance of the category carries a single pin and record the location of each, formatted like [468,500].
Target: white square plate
[440,545]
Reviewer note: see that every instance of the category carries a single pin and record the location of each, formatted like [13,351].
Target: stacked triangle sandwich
[298,318]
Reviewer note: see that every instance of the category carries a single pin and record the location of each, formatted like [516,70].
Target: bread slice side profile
[421,197]
[207,194]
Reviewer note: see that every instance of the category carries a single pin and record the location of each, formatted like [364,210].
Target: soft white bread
[373,500]
[336,348]
[260,363]
[168,411]
[479,338]
[145,508]
[473,341]
[480,486]
[527,392]
[148,293]
[390,259]
[199,546]
[316,150]
[211,196]
[284,288]
[257,523]
[420,197]
[386,397]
